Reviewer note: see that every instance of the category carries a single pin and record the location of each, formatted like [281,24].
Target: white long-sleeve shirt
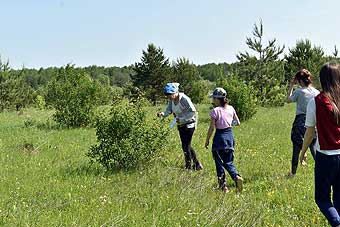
[185,110]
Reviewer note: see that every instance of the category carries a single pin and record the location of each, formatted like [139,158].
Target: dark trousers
[327,176]
[224,159]
[297,135]
[186,138]
[296,154]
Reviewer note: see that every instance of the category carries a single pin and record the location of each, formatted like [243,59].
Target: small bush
[200,91]
[240,96]
[74,95]
[29,122]
[132,93]
[276,96]
[127,136]
[40,102]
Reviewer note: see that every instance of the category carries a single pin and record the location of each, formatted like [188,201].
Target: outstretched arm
[167,111]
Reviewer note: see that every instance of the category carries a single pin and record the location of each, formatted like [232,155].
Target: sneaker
[223,184]
[225,189]
[239,183]
[290,175]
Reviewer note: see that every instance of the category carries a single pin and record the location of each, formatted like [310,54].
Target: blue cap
[171,88]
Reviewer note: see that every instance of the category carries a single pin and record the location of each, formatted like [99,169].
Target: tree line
[265,68]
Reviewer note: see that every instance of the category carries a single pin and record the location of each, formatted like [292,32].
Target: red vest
[328,129]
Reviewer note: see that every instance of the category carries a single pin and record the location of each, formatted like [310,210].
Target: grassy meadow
[54,184]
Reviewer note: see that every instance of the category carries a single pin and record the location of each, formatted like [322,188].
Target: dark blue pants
[225,159]
[296,154]
[297,135]
[327,176]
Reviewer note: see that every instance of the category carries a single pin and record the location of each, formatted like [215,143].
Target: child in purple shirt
[223,117]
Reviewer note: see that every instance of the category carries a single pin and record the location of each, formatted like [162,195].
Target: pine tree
[263,70]
[152,73]
[15,92]
[186,74]
[304,55]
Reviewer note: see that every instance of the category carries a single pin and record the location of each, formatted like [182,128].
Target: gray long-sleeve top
[184,111]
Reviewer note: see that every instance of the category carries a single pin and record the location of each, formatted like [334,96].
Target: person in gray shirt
[185,113]
[301,96]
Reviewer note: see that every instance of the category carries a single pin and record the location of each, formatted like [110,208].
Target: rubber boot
[222,183]
[197,165]
[187,161]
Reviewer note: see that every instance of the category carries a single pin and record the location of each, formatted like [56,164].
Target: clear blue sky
[41,33]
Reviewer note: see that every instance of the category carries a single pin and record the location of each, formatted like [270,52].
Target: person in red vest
[323,114]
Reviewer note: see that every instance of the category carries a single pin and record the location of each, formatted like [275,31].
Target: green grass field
[55,185]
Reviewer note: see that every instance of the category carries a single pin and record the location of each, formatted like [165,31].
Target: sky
[43,33]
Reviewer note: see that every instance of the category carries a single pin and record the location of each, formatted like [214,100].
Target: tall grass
[55,185]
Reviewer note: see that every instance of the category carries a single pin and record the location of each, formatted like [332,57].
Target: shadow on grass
[91,168]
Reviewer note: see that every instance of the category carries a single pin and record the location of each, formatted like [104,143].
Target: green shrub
[127,136]
[14,92]
[276,96]
[107,93]
[240,96]
[29,122]
[74,95]
[132,93]
[40,102]
[200,91]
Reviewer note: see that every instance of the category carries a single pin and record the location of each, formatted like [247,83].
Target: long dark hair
[330,83]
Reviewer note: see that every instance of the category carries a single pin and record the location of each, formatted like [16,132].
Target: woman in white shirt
[324,115]
[185,113]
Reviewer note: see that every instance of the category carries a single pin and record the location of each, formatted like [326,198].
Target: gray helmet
[218,93]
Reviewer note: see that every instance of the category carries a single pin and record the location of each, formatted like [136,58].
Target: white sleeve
[168,109]
[311,114]
[187,103]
